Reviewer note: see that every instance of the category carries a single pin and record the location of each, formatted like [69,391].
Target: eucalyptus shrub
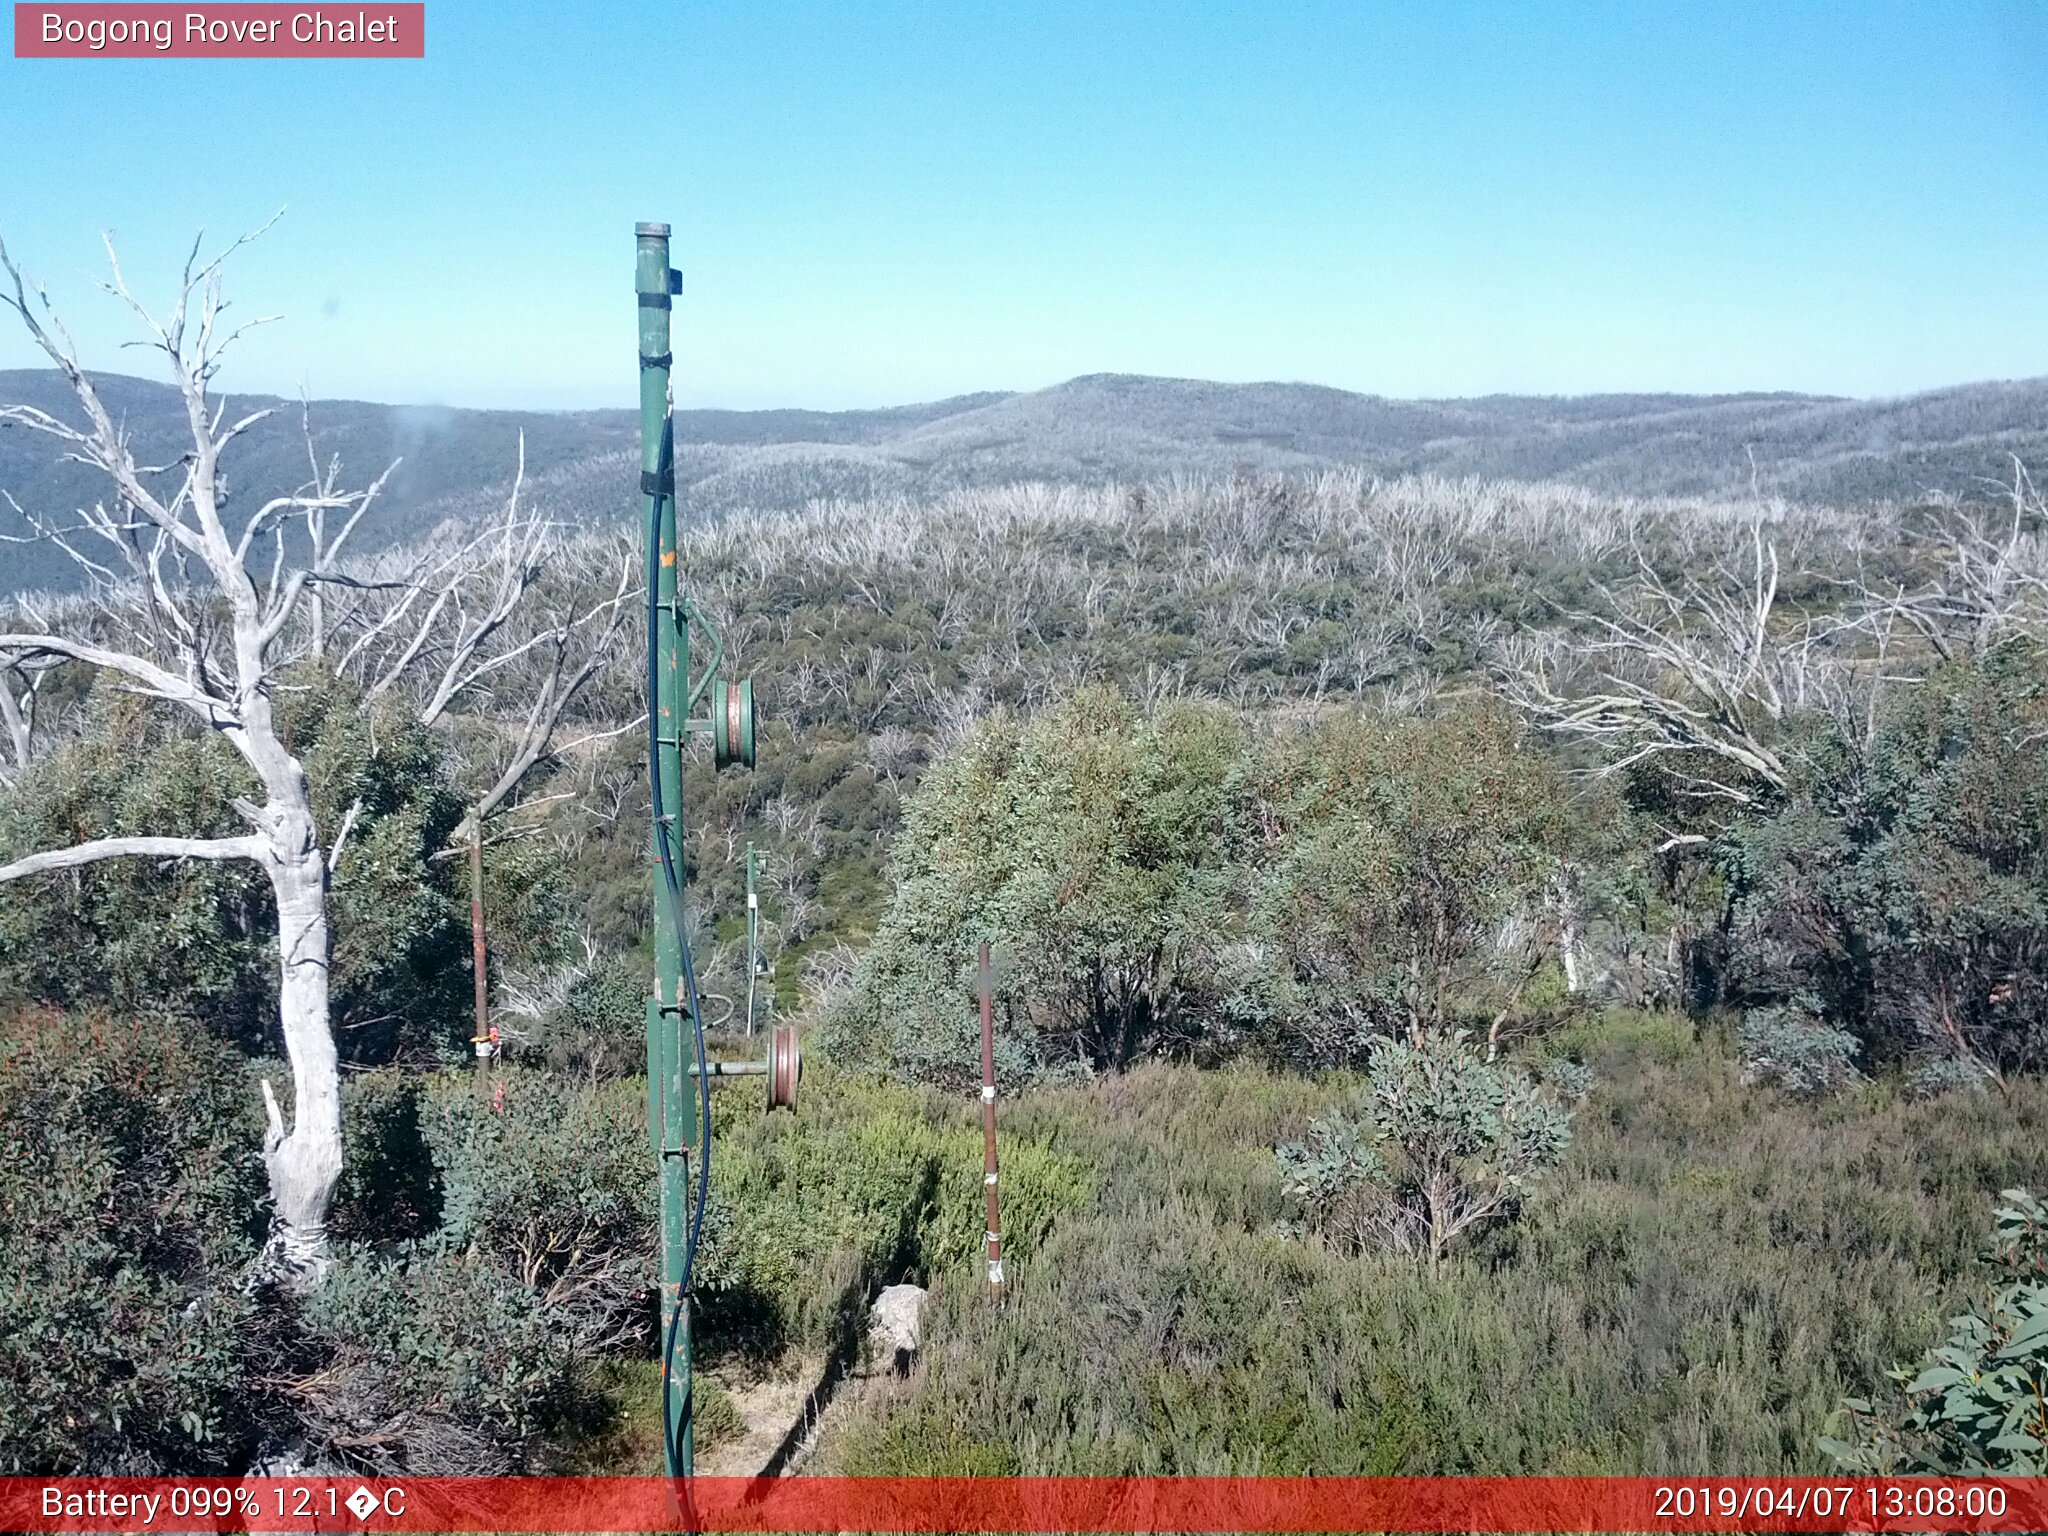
[1389,854]
[435,1361]
[126,1201]
[549,1180]
[1168,884]
[1902,883]
[192,937]
[500,1235]
[600,1026]
[1933,1076]
[1798,1052]
[1977,1403]
[1092,845]
[1444,1143]
[198,938]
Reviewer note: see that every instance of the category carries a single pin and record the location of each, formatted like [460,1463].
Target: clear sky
[877,202]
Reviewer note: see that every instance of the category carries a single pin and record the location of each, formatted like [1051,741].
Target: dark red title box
[367,29]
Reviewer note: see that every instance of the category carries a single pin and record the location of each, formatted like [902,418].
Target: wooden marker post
[992,1240]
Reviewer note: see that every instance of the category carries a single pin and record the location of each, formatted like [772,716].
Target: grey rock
[893,1327]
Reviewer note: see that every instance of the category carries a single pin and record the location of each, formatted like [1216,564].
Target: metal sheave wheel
[785,1066]
[732,723]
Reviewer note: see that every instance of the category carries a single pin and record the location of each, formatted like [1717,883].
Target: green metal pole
[672,1106]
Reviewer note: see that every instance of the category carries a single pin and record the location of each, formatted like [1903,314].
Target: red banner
[235,31]
[1278,1504]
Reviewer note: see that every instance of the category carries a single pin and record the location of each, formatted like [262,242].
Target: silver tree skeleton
[186,608]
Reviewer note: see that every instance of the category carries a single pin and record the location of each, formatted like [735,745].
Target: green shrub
[1445,1143]
[1903,884]
[1571,1081]
[1709,1271]
[501,1242]
[549,1182]
[1977,1404]
[1162,884]
[199,938]
[1933,1076]
[1389,854]
[601,1025]
[136,936]
[716,1418]
[435,1361]
[1089,844]
[390,1188]
[127,1215]
[871,1182]
[1791,1048]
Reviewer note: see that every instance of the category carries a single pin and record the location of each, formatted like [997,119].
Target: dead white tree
[1694,676]
[515,612]
[186,607]
[21,688]
[1989,576]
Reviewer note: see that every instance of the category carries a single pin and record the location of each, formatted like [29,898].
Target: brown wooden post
[992,1239]
[486,1047]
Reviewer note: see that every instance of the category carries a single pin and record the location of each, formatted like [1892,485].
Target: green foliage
[435,1361]
[529,904]
[1388,854]
[136,936]
[501,1242]
[1709,1272]
[870,1182]
[1165,884]
[549,1179]
[1090,845]
[1936,1075]
[716,1418]
[390,1188]
[199,939]
[1904,884]
[1571,1081]
[128,1199]
[1790,1047]
[1979,1402]
[399,922]
[533,1232]
[600,1026]
[1444,1143]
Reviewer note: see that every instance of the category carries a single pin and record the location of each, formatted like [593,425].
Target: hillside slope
[1104,427]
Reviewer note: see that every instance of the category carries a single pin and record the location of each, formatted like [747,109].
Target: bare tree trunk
[17,720]
[1570,927]
[304,1164]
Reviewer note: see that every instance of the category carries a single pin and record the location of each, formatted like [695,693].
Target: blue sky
[880,202]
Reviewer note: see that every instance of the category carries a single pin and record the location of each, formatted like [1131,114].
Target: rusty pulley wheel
[785,1066]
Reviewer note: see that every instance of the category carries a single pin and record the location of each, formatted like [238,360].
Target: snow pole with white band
[992,1239]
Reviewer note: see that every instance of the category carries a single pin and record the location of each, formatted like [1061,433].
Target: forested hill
[1088,430]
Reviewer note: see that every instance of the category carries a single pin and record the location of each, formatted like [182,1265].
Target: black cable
[689,968]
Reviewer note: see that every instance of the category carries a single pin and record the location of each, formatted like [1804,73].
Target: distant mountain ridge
[1101,427]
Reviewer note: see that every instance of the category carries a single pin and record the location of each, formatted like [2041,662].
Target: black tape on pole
[658,483]
[656,301]
[660,361]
